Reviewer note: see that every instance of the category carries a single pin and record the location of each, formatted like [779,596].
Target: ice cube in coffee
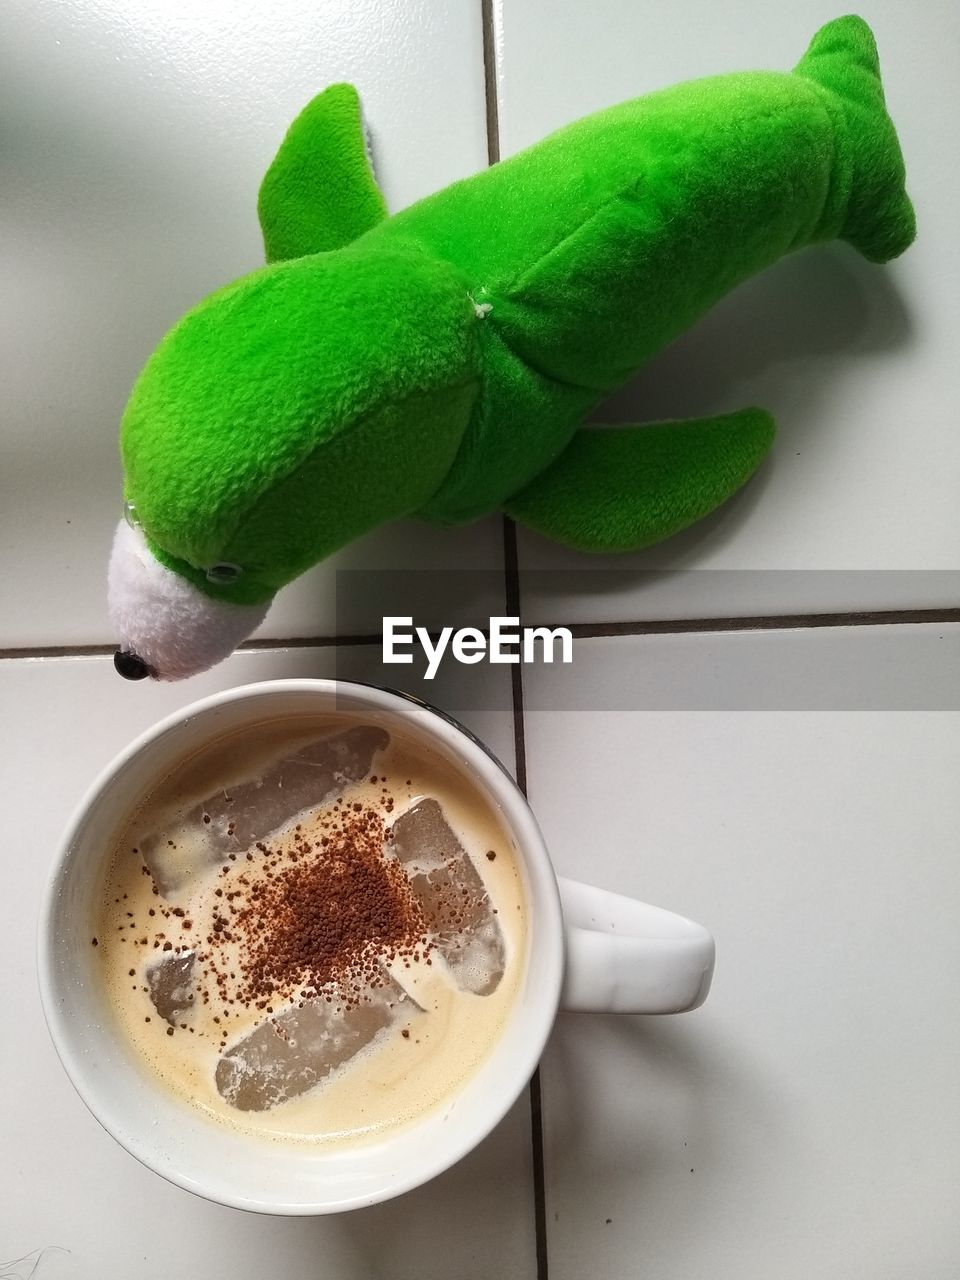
[458,912]
[170,983]
[238,815]
[293,1052]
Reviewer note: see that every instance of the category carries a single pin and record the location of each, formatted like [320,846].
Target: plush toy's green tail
[879,219]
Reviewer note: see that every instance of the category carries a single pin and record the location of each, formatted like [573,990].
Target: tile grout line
[511,587]
[512,603]
[489,37]
[766,622]
[579,630]
[107,650]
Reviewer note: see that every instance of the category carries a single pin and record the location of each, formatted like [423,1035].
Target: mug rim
[436,727]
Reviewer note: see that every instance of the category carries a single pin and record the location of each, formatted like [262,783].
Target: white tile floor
[806,1121]
[793,788]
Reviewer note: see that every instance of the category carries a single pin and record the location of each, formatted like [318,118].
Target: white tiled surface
[791,789]
[855,362]
[903,667]
[806,1121]
[133,137]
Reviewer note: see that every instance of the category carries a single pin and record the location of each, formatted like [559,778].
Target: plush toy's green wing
[622,488]
[319,193]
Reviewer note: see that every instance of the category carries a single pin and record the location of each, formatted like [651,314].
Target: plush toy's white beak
[166,627]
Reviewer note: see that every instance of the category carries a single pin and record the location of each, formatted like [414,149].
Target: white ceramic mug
[587,950]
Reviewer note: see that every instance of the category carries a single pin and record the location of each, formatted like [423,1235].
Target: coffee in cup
[312,929]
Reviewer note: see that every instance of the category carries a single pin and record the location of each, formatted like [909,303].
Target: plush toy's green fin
[319,193]
[879,218]
[622,488]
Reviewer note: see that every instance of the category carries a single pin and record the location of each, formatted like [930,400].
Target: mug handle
[625,956]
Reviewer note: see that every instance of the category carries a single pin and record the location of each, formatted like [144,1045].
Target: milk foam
[417,1063]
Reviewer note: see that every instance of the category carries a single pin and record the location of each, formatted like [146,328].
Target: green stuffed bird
[440,363]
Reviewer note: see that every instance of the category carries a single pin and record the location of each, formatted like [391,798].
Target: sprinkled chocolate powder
[331,917]
[318,913]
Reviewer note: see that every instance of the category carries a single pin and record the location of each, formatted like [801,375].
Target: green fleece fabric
[355,373]
[320,193]
[441,362]
[621,488]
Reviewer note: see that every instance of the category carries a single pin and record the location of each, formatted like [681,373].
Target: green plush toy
[440,363]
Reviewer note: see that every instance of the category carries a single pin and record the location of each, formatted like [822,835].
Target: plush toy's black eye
[130,665]
[224,572]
